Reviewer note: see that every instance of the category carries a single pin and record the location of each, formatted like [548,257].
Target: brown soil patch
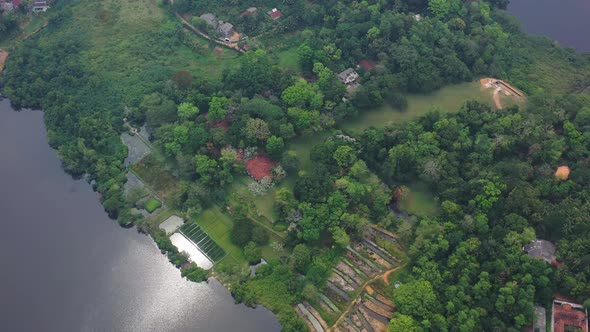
[223,124]
[370,290]
[367,64]
[386,276]
[218,51]
[3,57]
[259,166]
[500,87]
[316,315]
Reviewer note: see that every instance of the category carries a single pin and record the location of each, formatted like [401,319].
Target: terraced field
[356,298]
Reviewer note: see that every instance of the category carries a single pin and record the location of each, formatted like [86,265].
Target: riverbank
[96,275]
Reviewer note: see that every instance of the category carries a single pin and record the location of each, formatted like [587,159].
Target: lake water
[567,21]
[64,266]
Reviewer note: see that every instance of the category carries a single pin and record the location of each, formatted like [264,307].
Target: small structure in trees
[568,316]
[348,78]
[40,6]
[224,29]
[274,14]
[249,11]
[541,249]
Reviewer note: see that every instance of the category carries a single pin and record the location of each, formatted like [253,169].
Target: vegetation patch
[449,98]
[152,205]
[419,201]
[218,226]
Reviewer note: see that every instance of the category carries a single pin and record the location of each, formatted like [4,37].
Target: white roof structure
[194,253]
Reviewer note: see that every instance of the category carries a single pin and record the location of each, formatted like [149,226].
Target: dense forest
[491,171]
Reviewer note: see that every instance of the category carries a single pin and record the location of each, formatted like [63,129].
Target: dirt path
[351,305]
[3,57]
[386,276]
[496,97]
[501,87]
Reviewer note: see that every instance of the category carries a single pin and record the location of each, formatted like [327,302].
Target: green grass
[447,99]
[268,253]
[264,204]
[152,205]
[288,59]
[218,226]
[303,145]
[419,201]
[134,45]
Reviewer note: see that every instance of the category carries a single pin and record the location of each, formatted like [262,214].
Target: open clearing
[419,201]
[448,99]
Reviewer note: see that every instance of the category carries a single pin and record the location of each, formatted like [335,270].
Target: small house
[541,249]
[348,76]
[226,30]
[274,14]
[248,11]
[211,20]
[40,6]
[568,316]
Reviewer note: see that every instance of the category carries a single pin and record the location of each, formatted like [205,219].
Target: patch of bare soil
[3,57]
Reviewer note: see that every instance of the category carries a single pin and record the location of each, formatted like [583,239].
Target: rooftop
[568,316]
[275,13]
[348,76]
[541,249]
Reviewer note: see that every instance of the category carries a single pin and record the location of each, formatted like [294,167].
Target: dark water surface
[64,266]
[567,21]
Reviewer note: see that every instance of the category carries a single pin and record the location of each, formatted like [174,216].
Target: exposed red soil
[259,166]
[367,64]
[223,124]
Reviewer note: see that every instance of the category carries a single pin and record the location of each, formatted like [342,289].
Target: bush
[152,205]
[194,273]
[252,253]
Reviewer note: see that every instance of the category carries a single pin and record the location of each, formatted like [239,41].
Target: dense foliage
[494,175]
[491,171]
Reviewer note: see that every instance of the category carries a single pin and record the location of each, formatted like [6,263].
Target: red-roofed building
[275,14]
[568,316]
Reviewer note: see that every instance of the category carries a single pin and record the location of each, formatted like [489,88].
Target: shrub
[194,273]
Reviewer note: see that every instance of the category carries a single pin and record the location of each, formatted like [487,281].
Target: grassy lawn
[448,99]
[303,145]
[152,205]
[264,204]
[288,59]
[218,226]
[419,201]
